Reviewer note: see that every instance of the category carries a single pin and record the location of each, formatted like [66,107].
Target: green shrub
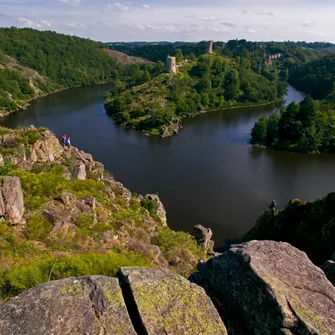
[22,277]
[150,205]
[6,169]
[88,187]
[38,188]
[32,136]
[168,239]
[38,228]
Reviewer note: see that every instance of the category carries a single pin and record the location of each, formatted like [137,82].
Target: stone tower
[209,47]
[171,66]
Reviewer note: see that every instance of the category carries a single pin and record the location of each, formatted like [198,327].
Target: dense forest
[310,125]
[34,63]
[316,78]
[207,83]
[293,54]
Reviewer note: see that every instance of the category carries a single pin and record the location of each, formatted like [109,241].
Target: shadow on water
[207,174]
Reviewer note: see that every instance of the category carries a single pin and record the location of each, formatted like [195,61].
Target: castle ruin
[171,66]
[209,47]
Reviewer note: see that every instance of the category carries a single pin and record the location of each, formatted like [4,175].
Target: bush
[38,228]
[38,188]
[23,277]
[32,136]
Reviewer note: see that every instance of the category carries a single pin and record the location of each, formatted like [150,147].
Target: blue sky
[172,20]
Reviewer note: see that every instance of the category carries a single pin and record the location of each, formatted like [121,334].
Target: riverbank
[27,102]
[175,125]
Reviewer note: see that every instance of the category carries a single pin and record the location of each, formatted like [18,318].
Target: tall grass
[22,277]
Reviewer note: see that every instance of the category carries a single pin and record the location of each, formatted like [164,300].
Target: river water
[208,174]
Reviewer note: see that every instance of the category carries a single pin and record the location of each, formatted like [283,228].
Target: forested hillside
[34,63]
[317,77]
[18,84]
[207,83]
[310,125]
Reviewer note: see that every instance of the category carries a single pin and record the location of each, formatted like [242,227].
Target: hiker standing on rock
[68,142]
[63,139]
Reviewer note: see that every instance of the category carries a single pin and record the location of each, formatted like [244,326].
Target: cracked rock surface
[168,304]
[269,288]
[91,305]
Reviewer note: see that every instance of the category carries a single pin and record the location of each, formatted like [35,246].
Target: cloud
[122,7]
[146,6]
[244,12]
[75,25]
[228,24]
[219,29]
[308,23]
[43,24]
[25,22]
[249,30]
[191,16]
[208,18]
[263,12]
[70,2]
[171,28]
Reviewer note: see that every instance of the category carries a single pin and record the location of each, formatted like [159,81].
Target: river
[208,174]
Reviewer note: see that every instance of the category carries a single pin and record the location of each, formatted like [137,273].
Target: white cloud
[208,18]
[171,28]
[75,25]
[219,29]
[25,22]
[122,7]
[70,2]
[41,24]
[146,6]
[249,30]
[263,12]
[308,23]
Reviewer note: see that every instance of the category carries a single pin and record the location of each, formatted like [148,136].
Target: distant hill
[19,84]
[34,63]
[317,77]
[123,58]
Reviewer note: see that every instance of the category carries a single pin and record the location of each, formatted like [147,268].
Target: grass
[25,276]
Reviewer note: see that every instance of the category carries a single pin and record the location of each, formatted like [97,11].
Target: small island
[193,85]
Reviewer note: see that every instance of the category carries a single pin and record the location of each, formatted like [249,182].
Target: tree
[307,112]
[232,85]
[179,56]
[258,132]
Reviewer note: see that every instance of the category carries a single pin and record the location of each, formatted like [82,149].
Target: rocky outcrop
[329,270]
[267,287]
[203,237]
[172,129]
[91,305]
[167,304]
[158,302]
[11,199]
[159,207]
[309,226]
[47,149]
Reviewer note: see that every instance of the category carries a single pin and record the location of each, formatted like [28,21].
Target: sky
[176,20]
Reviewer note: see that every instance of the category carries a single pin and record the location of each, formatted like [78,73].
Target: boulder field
[259,287]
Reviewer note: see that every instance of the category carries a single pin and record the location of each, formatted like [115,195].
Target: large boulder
[203,237]
[11,199]
[47,149]
[168,304]
[269,287]
[86,305]
[329,270]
